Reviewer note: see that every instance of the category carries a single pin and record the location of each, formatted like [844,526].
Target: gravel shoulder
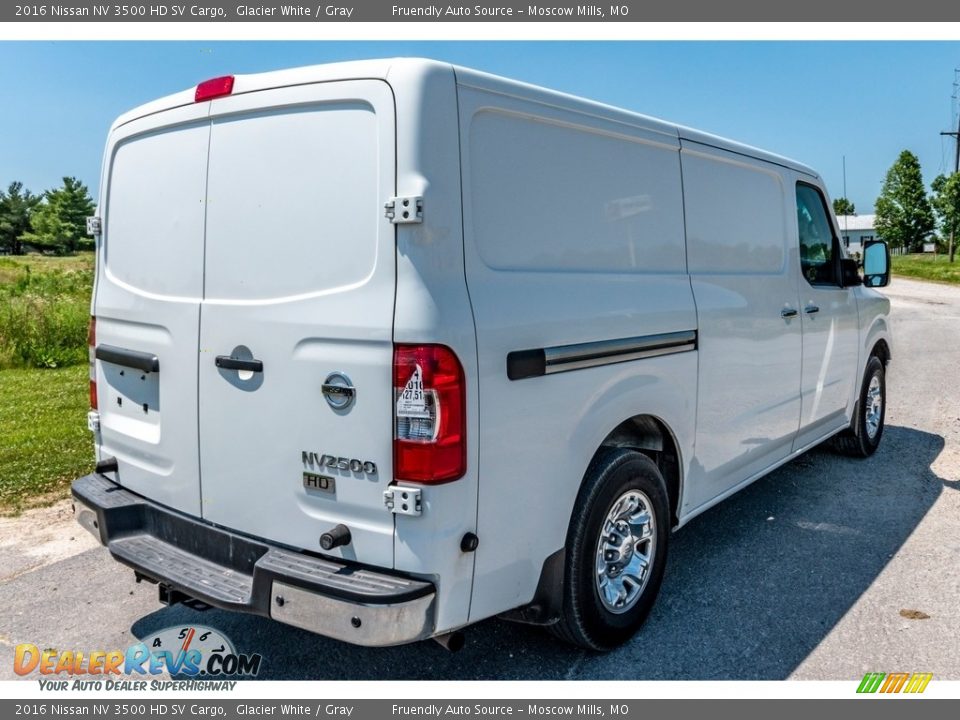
[38,538]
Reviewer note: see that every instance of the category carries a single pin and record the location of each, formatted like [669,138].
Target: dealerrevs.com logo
[191,651]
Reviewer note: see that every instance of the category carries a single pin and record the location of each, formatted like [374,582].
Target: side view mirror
[876,264]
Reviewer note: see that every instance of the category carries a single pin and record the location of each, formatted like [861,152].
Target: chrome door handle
[811,309]
[788,313]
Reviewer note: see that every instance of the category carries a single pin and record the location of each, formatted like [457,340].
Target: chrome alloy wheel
[625,551]
[874,409]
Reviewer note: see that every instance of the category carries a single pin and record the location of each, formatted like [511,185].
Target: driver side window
[818,260]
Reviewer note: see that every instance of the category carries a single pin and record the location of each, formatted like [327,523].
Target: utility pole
[846,216]
[956,159]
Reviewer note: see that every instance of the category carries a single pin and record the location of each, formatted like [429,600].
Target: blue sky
[813,101]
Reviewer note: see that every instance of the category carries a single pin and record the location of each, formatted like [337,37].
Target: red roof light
[214,88]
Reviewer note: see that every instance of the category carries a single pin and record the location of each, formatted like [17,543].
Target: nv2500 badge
[321,460]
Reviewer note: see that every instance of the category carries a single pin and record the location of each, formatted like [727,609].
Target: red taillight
[430,422]
[214,88]
[92,349]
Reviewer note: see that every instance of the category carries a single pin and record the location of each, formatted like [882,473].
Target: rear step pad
[160,560]
[218,566]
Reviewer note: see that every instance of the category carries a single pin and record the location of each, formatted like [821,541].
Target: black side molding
[147,362]
[562,358]
[526,364]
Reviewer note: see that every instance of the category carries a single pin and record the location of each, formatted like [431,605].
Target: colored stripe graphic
[894,682]
[870,683]
[918,682]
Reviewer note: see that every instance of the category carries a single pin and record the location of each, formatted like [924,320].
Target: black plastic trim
[547,602]
[108,464]
[147,362]
[526,364]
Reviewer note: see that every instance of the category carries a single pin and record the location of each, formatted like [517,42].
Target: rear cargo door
[299,293]
[148,303]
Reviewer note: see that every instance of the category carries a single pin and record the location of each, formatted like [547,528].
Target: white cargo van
[381,349]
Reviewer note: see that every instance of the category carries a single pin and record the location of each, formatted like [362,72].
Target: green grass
[44,441]
[44,310]
[927,267]
[47,263]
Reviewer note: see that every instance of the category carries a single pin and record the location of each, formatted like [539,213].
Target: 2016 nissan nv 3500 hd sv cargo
[381,349]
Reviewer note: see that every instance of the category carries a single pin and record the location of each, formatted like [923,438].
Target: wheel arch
[652,436]
[877,342]
[881,348]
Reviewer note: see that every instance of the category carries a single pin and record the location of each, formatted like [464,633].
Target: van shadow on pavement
[751,588]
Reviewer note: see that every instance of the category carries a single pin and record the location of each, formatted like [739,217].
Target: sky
[816,102]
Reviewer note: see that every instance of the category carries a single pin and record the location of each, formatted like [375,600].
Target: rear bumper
[226,570]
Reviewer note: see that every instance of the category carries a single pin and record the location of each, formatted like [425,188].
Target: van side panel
[573,232]
[432,306]
[150,282]
[744,273]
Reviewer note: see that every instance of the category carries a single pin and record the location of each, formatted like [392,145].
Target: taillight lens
[430,423]
[92,349]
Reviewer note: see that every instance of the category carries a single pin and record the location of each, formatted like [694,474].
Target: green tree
[842,206]
[946,203]
[16,205]
[904,215]
[59,223]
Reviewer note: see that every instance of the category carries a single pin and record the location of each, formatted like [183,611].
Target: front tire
[863,437]
[616,550]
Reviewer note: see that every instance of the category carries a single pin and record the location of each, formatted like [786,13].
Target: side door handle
[811,309]
[788,313]
[228,363]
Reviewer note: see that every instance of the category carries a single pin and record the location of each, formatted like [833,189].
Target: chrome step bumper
[220,568]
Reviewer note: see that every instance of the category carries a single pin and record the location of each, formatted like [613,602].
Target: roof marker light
[214,88]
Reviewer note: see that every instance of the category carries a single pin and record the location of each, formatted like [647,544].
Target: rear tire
[616,550]
[863,437]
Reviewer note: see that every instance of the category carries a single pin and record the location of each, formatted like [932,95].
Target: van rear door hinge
[94,225]
[406,209]
[403,500]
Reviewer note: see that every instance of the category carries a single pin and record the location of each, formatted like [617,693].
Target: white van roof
[380,70]
[372,69]
[494,83]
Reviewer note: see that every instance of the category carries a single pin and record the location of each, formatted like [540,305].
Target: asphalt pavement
[825,569]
